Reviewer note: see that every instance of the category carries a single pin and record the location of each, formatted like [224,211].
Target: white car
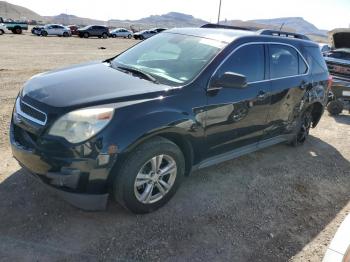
[121,32]
[3,29]
[53,29]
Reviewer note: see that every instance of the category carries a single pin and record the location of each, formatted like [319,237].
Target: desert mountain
[17,12]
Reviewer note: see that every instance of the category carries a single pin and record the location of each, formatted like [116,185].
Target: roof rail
[282,34]
[226,27]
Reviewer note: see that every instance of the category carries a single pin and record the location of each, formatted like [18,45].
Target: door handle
[261,95]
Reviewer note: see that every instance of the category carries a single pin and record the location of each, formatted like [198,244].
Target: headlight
[80,125]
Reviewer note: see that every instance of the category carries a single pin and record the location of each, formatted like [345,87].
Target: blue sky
[325,14]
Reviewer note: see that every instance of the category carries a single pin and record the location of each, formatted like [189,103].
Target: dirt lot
[278,204]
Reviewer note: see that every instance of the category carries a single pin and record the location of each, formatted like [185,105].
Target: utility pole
[219,12]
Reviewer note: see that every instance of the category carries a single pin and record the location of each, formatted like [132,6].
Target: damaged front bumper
[81,181]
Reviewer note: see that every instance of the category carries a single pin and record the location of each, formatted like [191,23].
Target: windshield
[172,59]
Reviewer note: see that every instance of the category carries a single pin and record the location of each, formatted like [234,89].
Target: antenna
[282,26]
[219,12]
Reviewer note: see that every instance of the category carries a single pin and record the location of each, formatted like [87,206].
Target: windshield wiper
[138,72]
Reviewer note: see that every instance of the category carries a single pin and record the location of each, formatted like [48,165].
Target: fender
[136,122]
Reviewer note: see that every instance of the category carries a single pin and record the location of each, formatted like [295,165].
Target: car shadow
[266,206]
[343,118]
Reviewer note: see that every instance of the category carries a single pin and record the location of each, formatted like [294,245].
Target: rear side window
[248,61]
[283,61]
[315,59]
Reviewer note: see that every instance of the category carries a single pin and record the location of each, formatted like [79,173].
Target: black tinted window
[248,61]
[315,59]
[283,61]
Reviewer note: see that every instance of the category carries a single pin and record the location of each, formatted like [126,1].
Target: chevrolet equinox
[133,126]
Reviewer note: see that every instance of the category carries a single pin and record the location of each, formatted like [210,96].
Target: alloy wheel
[305,128]
[155,179]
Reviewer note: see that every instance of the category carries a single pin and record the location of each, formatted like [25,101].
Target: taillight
[330,82]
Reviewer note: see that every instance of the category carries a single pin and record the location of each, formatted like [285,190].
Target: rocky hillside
[17,12]
[298,23]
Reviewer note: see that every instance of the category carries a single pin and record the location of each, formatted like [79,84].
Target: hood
[91,83]
[340,38]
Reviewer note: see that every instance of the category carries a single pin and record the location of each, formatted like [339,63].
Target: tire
[2,32]
[141,37]
[44,33]
[114,36]
[104,35]
[86,35]
[17,30]
[65,34]
[134,197]
[303,128]
[129,36]
[335,107]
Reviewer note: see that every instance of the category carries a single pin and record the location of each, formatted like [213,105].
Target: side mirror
[229,80]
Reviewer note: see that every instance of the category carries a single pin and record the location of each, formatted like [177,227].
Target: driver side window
[248,60]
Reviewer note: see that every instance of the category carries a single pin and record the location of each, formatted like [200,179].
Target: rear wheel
[2,32]
[129,36]
[86,35]
[150,176]
[335,107]
[17,30]
[303,128]
[65,34]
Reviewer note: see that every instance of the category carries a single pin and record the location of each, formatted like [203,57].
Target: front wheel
[335,107]
[150,176]
[129,36]
[44,33]
[2,32]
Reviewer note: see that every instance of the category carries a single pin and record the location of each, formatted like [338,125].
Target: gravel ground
[279,204]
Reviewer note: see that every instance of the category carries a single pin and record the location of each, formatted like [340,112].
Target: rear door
[289,80]
[237,117]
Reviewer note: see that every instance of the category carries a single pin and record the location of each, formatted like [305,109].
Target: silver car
[144,34]
[121,32]
[53,29]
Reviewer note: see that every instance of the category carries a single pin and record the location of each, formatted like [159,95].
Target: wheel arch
[317,111]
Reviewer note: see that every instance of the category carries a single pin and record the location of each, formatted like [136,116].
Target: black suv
[93,30]
[136,124]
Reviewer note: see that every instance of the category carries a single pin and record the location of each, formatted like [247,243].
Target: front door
[237,117]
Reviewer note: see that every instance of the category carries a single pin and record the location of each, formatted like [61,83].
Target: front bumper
[341,88]
[88,202]
[81,181]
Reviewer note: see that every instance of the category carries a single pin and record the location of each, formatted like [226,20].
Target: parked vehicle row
[93,31]
[148,33]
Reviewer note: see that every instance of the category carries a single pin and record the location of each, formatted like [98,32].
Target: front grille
[31,112]
[338,70]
